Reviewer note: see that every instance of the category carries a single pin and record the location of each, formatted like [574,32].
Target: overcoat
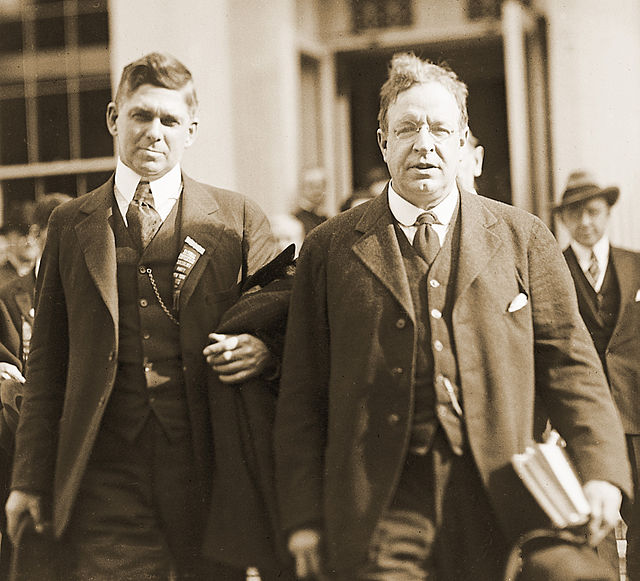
[346,397]
[622,353]
[74,351]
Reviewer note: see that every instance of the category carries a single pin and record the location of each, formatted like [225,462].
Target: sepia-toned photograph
[334,290]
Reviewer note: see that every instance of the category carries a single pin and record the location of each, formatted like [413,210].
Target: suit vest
[599,310]
[149,380]
[436,376]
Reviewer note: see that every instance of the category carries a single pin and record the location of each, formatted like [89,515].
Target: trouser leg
[137,515]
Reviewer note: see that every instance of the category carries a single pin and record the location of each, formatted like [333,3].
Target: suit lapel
[478,243]
[379,250]
[628,277]
[198,221]
[97,242]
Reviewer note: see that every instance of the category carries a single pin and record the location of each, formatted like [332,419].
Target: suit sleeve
[569,375]
[36,437]
[301,417]
[258,243]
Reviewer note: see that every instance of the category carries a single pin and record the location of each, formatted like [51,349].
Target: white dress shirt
[406,213]
[165,190]
[601,252]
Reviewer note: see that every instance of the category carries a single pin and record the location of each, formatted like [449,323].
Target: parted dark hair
[406,70]
[161,70]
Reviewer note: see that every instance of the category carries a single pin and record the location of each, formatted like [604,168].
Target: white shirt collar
[601,251]
[165,190]
[406,213]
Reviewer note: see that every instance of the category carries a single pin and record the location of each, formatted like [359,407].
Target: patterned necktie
[142,218]
[426,241]
[593,272]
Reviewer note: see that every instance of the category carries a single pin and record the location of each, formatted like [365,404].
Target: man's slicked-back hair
[160,70]
[406,70]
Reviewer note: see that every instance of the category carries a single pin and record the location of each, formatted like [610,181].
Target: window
[54,88]
[372,14]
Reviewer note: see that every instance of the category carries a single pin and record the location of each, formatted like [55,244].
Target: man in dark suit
[21,248]
[16,321]
[115,442]
[415,347]
[16,297]
[607,281]
[311,199]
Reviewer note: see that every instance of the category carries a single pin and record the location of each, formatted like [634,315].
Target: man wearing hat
[607,282]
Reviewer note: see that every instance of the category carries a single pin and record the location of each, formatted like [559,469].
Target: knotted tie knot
[426,241]
[426,218]
[143,194]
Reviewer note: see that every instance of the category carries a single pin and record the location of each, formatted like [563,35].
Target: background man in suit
[16,321]
[415,347]
[21,248]
[471,164]
[16,297]
[311,198]
[607,281]
[115,439]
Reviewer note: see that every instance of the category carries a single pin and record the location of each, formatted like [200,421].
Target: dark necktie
[593,272]
[426,241]
[142,218]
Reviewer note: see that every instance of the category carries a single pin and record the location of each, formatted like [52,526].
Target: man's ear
[112,115]
[382,143]
[192,132]
[464,136]
[478,156]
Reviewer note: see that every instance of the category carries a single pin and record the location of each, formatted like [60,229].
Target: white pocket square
[638,296]
[516,304]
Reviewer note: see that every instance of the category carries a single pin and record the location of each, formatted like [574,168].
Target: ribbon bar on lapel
[189,255]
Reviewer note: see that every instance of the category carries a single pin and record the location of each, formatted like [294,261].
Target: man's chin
[151,169]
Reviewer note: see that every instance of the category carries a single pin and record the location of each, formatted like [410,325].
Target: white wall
[594,50]
[265,81]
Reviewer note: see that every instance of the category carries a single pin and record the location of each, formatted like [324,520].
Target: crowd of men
[183,399]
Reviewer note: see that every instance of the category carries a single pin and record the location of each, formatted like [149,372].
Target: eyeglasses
[410,131]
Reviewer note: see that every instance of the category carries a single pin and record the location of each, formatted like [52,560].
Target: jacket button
[397,371]
[143,302]
[111,355]
[401,323]
[142,269]
[436,314]
[437,345]
[101,401]
[393,419]
[146,335]
[434,283]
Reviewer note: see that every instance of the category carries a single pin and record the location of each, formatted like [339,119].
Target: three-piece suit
[612,316]
[111,373]
[509,329]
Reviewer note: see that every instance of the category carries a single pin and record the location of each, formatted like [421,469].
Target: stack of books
[547,472]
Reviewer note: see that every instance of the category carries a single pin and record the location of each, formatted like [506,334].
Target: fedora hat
[581,186]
